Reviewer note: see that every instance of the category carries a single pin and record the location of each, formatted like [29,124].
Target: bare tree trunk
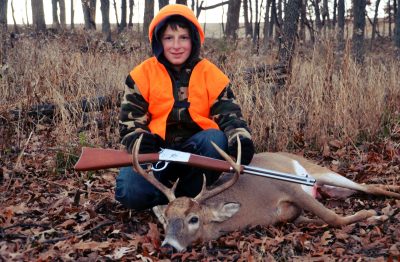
[340,33]
[26,12]
[148,16]
[3,31]
[89,13]
[105,15]
[266,23]
[131,4]
[390,18]
[325,14]
[303,20]
[56,23]
[358,30]
[162,3]
[248,27]
[395,8]
[397,30]
[396,13]
[72,15]
[116,13]
[16,29]
[375,22]
[182,2]
[273,19]
[61,6]
[123,16]
[256,31]
[279,12]
[310,23]
[92,10]
[292,12]
[334,20]
[251,16]
[278,20]
[317,14]
[232,21]
[38,15]
[3,13]
[3,45]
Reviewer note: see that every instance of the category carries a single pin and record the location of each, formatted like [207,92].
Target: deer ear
[224,211]
[159,211]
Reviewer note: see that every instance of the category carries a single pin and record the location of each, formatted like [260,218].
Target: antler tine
[206,194]
[239,154]
[149,175]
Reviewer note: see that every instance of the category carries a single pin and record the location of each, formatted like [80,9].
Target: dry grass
[328,97]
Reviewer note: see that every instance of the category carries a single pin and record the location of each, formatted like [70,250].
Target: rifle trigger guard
[156,168]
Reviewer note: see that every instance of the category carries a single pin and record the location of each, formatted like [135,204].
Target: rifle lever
[156,168]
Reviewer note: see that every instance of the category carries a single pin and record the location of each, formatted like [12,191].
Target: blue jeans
[134,192]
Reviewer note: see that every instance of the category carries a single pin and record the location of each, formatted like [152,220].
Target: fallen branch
[48,110]
[275,74]
[79,235]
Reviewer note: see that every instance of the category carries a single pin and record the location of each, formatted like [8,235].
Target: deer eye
[193,220]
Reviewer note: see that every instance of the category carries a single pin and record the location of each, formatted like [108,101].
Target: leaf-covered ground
[49,215]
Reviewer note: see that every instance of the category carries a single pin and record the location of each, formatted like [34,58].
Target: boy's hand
[247,149]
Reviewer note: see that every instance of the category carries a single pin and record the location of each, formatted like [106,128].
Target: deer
[237,201]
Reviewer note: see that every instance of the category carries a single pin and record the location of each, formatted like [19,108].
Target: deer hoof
[377,219]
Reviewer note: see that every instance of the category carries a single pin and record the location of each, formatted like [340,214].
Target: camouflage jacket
[134,116]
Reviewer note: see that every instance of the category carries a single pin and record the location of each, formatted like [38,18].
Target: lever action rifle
[98,158]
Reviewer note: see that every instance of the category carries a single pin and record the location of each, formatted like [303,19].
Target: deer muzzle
[174,235]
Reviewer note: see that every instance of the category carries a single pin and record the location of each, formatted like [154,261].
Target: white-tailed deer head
[184,218]
[239,201]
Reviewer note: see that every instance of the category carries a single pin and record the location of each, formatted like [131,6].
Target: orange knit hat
[175,9]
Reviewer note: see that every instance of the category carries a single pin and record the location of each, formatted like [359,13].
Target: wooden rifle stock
[98,158]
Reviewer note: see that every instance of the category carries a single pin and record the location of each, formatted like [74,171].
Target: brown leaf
[67,223]
[335,144]
[326,238]
[154,235]
[393,250]
[341,235]
[326,152]
[340,251]
[388,210]
[92,245]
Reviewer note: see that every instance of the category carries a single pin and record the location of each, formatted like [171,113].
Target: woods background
[319,78]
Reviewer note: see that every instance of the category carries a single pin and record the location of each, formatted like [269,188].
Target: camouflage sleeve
[134,116]
[227,113]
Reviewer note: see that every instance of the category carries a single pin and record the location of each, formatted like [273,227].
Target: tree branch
[214,6]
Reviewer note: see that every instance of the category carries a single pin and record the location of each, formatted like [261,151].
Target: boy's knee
[133,192]
[125,194]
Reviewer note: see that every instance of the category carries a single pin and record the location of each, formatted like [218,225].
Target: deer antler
[206,194]
[149,175]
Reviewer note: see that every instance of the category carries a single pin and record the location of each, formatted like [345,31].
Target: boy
[179,101]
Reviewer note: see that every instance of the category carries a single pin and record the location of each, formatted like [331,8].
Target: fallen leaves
[48,216]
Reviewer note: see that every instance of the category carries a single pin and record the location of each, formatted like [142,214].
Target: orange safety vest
[205,85]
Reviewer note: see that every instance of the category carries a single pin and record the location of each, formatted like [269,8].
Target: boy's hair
[174,22]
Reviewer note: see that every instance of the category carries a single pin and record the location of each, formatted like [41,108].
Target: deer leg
[287,211]
[301,220]
[327,191]
[310,204]
[334,179]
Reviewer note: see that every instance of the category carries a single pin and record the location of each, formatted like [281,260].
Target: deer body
[237,201]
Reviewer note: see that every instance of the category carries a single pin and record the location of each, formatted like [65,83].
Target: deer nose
[168,249]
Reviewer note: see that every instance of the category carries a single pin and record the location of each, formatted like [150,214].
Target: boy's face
[177,45]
